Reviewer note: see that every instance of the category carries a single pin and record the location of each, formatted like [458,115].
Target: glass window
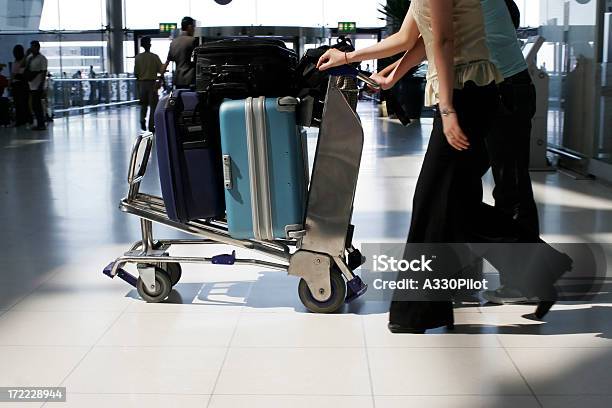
[140,14]
[237,13]
[69,15]
[68,57]
[363,12]
[292,13]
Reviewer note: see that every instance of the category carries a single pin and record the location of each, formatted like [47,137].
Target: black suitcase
[312,84]
[248,66]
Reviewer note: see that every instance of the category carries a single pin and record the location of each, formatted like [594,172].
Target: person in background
[180,52]
[77,88]
[36,71]
[4,105]
[93,86]
[19,87]
[146,70]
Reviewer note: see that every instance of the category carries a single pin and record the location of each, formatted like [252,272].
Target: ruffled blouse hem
[481,73]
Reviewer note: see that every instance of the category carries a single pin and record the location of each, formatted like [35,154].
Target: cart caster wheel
[175,271]
[163,286]
[331,305]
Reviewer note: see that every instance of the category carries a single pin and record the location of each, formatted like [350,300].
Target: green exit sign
[345,27]
[167,27]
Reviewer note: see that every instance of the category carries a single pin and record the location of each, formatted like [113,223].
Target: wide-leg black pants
[447,204]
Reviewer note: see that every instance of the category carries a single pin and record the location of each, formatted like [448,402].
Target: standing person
[36,72]
[146,70]
[93,88]
[181,49]
[19,87]
[447,204]
[4,103]
[78,89]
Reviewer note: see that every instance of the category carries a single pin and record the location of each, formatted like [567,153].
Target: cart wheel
[175,271]
[163,286]
[331,305]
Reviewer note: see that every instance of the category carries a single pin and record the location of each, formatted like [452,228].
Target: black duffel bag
[312,83]
[245,66]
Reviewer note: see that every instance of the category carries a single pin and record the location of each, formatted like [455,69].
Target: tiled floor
[239,337]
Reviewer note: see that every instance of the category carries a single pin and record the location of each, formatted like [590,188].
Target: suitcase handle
[230,85]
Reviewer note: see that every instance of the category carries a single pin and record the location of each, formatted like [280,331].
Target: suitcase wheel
[163,286]
[175,272]
[335,301]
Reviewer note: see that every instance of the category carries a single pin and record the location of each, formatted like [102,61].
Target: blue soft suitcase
[188,153]
[265,168]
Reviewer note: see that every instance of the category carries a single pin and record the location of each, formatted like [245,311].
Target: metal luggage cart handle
[348,70]
[137,170]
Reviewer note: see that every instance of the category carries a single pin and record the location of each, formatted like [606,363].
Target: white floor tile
[54,328]
[81,296]
[37,366]
[295,371]
[12,293]
[378,335]
[282,401]
[274,292]
[298,330]
[171,329]
[565,371]
[164,370]
[444,371]
[133,401]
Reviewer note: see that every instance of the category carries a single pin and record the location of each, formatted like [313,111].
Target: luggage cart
[320,252]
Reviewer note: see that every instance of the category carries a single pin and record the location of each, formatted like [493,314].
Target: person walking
[181,50]
[19,87]
[508,143]
[146,70]
[447,204]
[36,72]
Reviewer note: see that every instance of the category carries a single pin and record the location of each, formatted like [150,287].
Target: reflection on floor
[232,337]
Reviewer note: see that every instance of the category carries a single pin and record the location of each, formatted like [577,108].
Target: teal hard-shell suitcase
[265,167]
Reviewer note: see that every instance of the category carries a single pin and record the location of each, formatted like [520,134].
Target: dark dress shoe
[399,329]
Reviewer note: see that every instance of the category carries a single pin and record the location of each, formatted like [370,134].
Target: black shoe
[544,306]
[507,296]
[399,329]
[143,125]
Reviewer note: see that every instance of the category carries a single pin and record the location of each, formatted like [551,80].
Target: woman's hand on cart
[332,58]
[384,82]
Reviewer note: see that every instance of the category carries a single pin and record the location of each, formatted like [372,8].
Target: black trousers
[448,207]
[37,107]
[509,145]
[148,101]
[21,99]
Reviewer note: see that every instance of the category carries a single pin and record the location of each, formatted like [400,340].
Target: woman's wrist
[349,57]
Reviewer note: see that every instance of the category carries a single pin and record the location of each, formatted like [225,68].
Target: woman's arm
[389,76]
[444,51]
[410,60]
[403,40]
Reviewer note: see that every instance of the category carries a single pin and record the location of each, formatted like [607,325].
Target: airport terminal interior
[238,334]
